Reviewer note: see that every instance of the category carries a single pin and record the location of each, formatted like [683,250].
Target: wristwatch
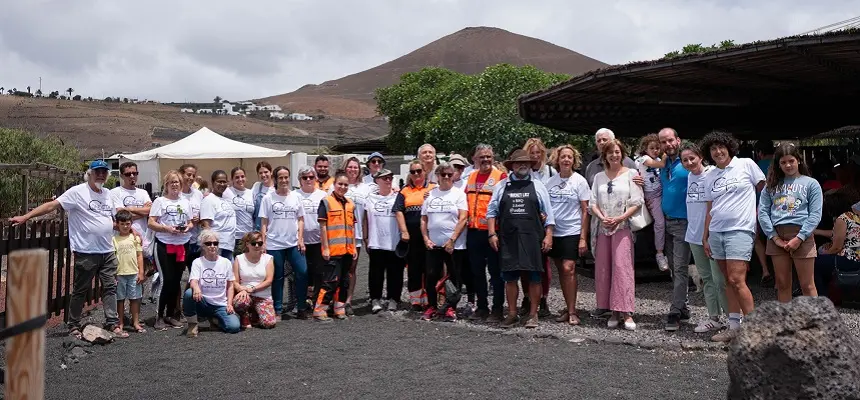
[252,287]
[491,235]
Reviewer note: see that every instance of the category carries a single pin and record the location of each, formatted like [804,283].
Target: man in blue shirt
[674,182]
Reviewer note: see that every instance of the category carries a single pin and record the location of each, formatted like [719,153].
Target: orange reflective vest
[413,197]
[340,227]
[479,199]
[325,186]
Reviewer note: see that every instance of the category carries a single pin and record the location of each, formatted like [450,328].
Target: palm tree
[28,89]
[70,90]
[2,89]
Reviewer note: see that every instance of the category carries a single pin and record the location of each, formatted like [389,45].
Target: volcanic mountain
[467,51]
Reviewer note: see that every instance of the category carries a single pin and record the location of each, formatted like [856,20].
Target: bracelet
[491,235]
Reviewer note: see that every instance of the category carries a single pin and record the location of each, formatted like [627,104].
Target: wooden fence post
[27,280]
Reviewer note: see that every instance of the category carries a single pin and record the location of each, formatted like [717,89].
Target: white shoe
[376,306]
[662,262]
[392,305]
[630,325]
[708,325]
[612,323]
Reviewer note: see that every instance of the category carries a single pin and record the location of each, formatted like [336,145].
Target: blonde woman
[542,171]
[427,155]
[407,209]
[357,192]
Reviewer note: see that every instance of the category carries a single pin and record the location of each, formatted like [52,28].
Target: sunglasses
[377,161]
[387,178]
[210,244]
[256,244]
[446,174]
[307,178]
[415,171]
[609,188]
[130,174]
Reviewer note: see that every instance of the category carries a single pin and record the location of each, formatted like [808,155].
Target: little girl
[649,163]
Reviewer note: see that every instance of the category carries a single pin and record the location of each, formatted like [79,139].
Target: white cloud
[177,50]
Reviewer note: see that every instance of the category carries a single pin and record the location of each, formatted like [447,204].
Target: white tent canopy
[209,151]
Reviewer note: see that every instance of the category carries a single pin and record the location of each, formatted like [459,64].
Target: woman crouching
[211,292]
[255,271]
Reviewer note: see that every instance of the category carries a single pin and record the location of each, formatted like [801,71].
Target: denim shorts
[732,245]
[128,288]
[513,276]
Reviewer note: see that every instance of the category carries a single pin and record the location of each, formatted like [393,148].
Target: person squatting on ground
[649,163]
[615,198]
[730,192]
[407,209]
[520,213]
[211,292]
[789,211]
[337,232]
[254,271]
[569,195]
[129,272]
[443,220]
[381,237]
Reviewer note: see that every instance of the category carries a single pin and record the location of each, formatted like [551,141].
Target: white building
[204,111]
[300,117]
[187,110]
[277,115]
[273,107]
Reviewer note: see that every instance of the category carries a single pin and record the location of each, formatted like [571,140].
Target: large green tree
[454,112]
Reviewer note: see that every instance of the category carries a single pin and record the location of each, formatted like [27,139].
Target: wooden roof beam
[700,87]
[748,74]
[848,71]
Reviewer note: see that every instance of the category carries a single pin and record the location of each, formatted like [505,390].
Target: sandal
[139,329]
[120,333]
[573,320]
[76,333]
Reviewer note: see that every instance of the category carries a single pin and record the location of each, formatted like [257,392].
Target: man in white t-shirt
[132,199]
[91,228]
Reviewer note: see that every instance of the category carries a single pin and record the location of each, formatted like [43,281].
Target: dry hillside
[468,51]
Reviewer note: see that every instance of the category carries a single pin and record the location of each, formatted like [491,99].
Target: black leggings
[416,260]
[171,275]
[437,259]
[382,263]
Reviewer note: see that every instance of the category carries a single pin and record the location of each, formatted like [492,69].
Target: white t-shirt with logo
[212,277]
[732,192]
[381,222]
[135,198]
[442,209]
[357,193]
[243,205]
[697,205]
[282,215]
[565,195]
[223,218]
[195,200]
[171,213]
[311,204]
[651,175]
[90,219]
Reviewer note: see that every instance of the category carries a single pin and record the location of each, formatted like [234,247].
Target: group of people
[450,226]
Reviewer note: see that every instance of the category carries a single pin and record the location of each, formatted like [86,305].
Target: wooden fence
[51,235]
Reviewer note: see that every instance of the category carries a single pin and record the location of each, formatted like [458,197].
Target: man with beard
[91,212]
[519,212]
[324,180]
[673,179]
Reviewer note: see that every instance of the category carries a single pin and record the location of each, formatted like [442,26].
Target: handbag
[641,218]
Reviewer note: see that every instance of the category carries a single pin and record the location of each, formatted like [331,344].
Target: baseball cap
[457,159]
[382,172]
[99,164]
[402,249]
[376,154]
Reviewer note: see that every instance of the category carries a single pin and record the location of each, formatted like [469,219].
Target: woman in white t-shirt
[649,164]
[254,271]
[537,152]
[569,195]
[381,237]
[714,284]
[730,192]
[282,214]
[170,219]
[243,204]
[311,197]
[443,221]
[217,214]
[195,200]
[356,193]
[211,289]
[261,188]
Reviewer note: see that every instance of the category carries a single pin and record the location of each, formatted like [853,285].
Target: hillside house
[187,110]
[277,115]
[272,107]
[300,117]
[204,111]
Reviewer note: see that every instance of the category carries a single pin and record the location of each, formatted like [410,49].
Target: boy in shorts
[129,272]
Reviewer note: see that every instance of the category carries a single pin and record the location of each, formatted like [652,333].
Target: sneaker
[662,262]
[375,306]
[510,321]
[479,314]
[708,325]
[673,322]
[302,314]
[160,325]
[532,322]
[495,317]
[392,305]
[428,315]
[173,322]
[450,315]
[601,313]
[349,310]
[469,309]
[630,325]
[322,318]
[543,310]
[191,330]
[725,336]
[685,316]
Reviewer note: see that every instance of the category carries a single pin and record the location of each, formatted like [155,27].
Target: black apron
[520,228]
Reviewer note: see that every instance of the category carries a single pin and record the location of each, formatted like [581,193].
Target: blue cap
[376,154]
[99,164]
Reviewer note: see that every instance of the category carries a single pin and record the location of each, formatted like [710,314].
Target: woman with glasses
[243,204]
[218,215]
[311,197]
[407,208]
[380,229]
[211,289]
[282,214]
[254,271]
[261,188]
[615,198]
[357,192]
[170,219]
[443,220]
[375,163]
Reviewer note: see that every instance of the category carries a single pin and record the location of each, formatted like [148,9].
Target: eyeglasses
[415,171]
[446,174]
[210,244]
[307,178]
[256,244]
[130,174]
[609,187]
[387,178]
[377,161]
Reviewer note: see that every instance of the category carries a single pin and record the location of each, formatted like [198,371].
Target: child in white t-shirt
[649,163]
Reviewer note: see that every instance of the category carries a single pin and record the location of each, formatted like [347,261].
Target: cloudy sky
[194,50]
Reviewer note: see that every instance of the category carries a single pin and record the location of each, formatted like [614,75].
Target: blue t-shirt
[674,181]
[797,201]
[764,164]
